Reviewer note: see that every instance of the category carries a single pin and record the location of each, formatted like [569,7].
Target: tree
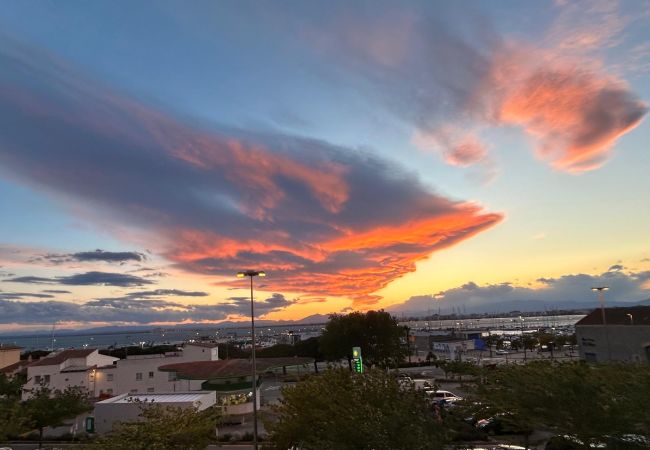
[378,334]
[162,427]
[47,408]
[12,419]
[342,410]
[568,398]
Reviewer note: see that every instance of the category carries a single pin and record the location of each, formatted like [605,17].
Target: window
[37,379]
[150,390]
[47,378]
[133,391]
[171,376]
[150,374]
[138,376]
[109,377]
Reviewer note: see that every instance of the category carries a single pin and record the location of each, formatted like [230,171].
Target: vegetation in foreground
[342,410]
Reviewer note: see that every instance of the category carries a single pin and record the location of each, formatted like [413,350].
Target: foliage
[343,410]
[11,387]
[569,398]
[162,427]
[12,419]
[47,408]
[377,333]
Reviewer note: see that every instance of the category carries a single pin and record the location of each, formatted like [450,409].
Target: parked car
[443,397]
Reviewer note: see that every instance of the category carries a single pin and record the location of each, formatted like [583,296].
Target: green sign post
[357,361]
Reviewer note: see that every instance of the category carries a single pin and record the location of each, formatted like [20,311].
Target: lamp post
[601,298]
[251,274]
[631,318]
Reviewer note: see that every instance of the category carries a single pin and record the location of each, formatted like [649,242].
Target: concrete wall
[599,343]
[200,353]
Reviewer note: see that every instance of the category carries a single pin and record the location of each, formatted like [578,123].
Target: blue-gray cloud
[21,295]
[90,256]
[86,279]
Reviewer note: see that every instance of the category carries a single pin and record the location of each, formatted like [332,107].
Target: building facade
[623,335]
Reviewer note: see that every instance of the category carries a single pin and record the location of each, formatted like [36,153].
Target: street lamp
[251,274]
[601,298]
[631,318]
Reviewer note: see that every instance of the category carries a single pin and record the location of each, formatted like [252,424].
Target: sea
[63,339]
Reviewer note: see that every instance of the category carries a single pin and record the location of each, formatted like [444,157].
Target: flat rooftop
[165,397]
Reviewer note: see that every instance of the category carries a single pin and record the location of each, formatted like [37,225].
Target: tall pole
[251,274]
[601,299]
[254,368]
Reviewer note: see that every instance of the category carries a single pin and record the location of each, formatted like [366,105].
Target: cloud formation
[86,279]
[574,113]
[435,76]
[321,219]
[567,291]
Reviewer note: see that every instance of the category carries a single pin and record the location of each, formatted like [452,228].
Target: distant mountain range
[313,319]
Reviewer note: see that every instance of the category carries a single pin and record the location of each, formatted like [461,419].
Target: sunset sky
[364,154]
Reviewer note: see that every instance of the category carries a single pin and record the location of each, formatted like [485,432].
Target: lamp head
[600,288]
[251,273]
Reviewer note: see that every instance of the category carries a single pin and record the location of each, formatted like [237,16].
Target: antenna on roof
[52,339]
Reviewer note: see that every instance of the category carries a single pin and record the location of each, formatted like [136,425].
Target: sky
[366,155]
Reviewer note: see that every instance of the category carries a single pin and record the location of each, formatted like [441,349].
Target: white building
[105,376]
[64,369]
[127,407]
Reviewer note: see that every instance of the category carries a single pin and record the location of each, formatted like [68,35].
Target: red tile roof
[229,368]
[15,367]
[62,356]
[618,316]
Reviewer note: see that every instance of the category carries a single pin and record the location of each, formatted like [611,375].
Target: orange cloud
[354,265]
[576,115]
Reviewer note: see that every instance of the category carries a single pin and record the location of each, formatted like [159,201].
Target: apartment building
[106,376]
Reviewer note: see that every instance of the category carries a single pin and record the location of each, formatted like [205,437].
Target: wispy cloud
[323,220]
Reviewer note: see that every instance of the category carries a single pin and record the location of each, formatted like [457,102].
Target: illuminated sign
[357,361]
